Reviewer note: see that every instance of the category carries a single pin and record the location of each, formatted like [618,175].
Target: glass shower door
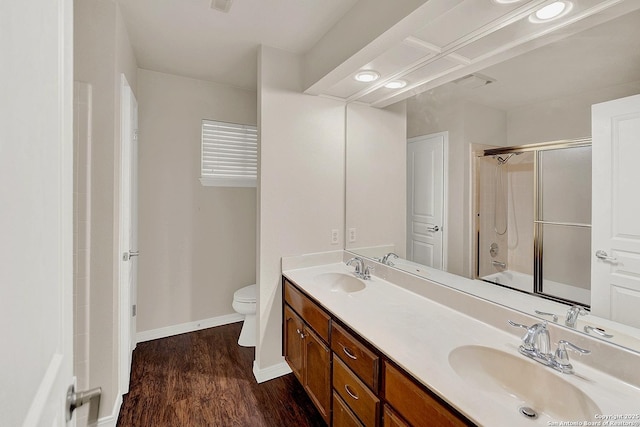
[563,224]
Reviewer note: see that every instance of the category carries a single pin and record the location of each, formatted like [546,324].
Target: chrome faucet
[385,259]
[598,331]
[544,313]
[362,271]
[499,264]
[561,358]
[572,315]
[536,344]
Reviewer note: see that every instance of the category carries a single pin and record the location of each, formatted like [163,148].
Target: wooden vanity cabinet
[368,390]
[342,415]
[293,350]
[306,332]
[317,372]
[414,404]
[391,419]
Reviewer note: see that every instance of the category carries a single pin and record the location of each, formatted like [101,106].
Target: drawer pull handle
[350,393]
[348,353]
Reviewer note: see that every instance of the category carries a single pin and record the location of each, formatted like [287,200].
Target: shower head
[504,158]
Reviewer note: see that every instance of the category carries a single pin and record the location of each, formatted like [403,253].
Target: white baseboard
[182,328]
[112,420]
[271,372]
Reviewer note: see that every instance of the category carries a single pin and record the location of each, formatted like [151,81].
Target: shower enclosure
[534,219]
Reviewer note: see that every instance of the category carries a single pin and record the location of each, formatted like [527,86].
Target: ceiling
[602,56]
[437,42]
[189,38]
[476,35]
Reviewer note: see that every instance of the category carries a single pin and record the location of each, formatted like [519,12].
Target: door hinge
[135,135]
[134,310]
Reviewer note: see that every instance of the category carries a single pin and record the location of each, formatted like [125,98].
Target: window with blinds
[229,154]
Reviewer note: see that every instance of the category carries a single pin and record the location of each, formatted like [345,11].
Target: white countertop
[418,334]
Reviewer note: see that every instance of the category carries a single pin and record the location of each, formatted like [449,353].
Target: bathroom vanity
[404,351]
[339,369]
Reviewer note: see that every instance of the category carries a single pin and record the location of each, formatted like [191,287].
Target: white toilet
[244,302]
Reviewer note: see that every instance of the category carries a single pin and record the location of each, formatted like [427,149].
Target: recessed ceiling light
[551,11]
[396,84]
[367,76]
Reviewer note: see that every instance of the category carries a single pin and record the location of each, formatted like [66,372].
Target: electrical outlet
[334,236]
[352,235]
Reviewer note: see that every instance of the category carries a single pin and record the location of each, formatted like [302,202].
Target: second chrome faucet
[536,344]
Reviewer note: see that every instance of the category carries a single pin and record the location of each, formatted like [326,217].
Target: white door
[425,199]
[128,230]
[36,205]
[615,241]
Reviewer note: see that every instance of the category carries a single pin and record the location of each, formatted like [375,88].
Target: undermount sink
[522,381]
[342,282]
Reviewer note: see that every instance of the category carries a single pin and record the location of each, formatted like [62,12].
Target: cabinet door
[342,415]
[317,369]
[391,419]
[293,350]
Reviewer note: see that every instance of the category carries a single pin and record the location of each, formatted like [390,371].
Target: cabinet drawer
[391,419]
[356,394]
[413,403]
[363,362]
[342,415]
[315,317]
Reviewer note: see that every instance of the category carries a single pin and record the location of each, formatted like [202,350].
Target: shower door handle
[600,254]
[433,228]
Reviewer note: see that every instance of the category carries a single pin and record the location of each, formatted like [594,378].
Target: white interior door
[128,230]
[36,211]
[425,199]
[615,266]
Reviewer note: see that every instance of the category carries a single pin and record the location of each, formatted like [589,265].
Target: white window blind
[229,154]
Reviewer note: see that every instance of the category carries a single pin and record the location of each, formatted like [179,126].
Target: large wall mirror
[542,96]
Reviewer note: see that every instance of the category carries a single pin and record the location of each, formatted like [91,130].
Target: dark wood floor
[203,379]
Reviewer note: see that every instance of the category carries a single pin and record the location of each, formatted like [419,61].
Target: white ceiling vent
[473,81]
[221,5]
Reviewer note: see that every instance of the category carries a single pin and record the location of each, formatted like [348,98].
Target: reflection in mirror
[543,95]
[534,219]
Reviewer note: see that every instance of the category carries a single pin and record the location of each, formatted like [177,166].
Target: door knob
[600,254]
[433,228]
[126,256]
[76,399]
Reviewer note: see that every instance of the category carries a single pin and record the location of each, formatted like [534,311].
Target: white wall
[101,52]
[82,111]
[376,177]
[197,244]
[301,184]
[561,118]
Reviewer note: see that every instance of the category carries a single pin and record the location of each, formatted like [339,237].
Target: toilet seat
[246,294]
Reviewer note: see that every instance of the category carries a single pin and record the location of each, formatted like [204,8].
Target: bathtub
[524,282]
